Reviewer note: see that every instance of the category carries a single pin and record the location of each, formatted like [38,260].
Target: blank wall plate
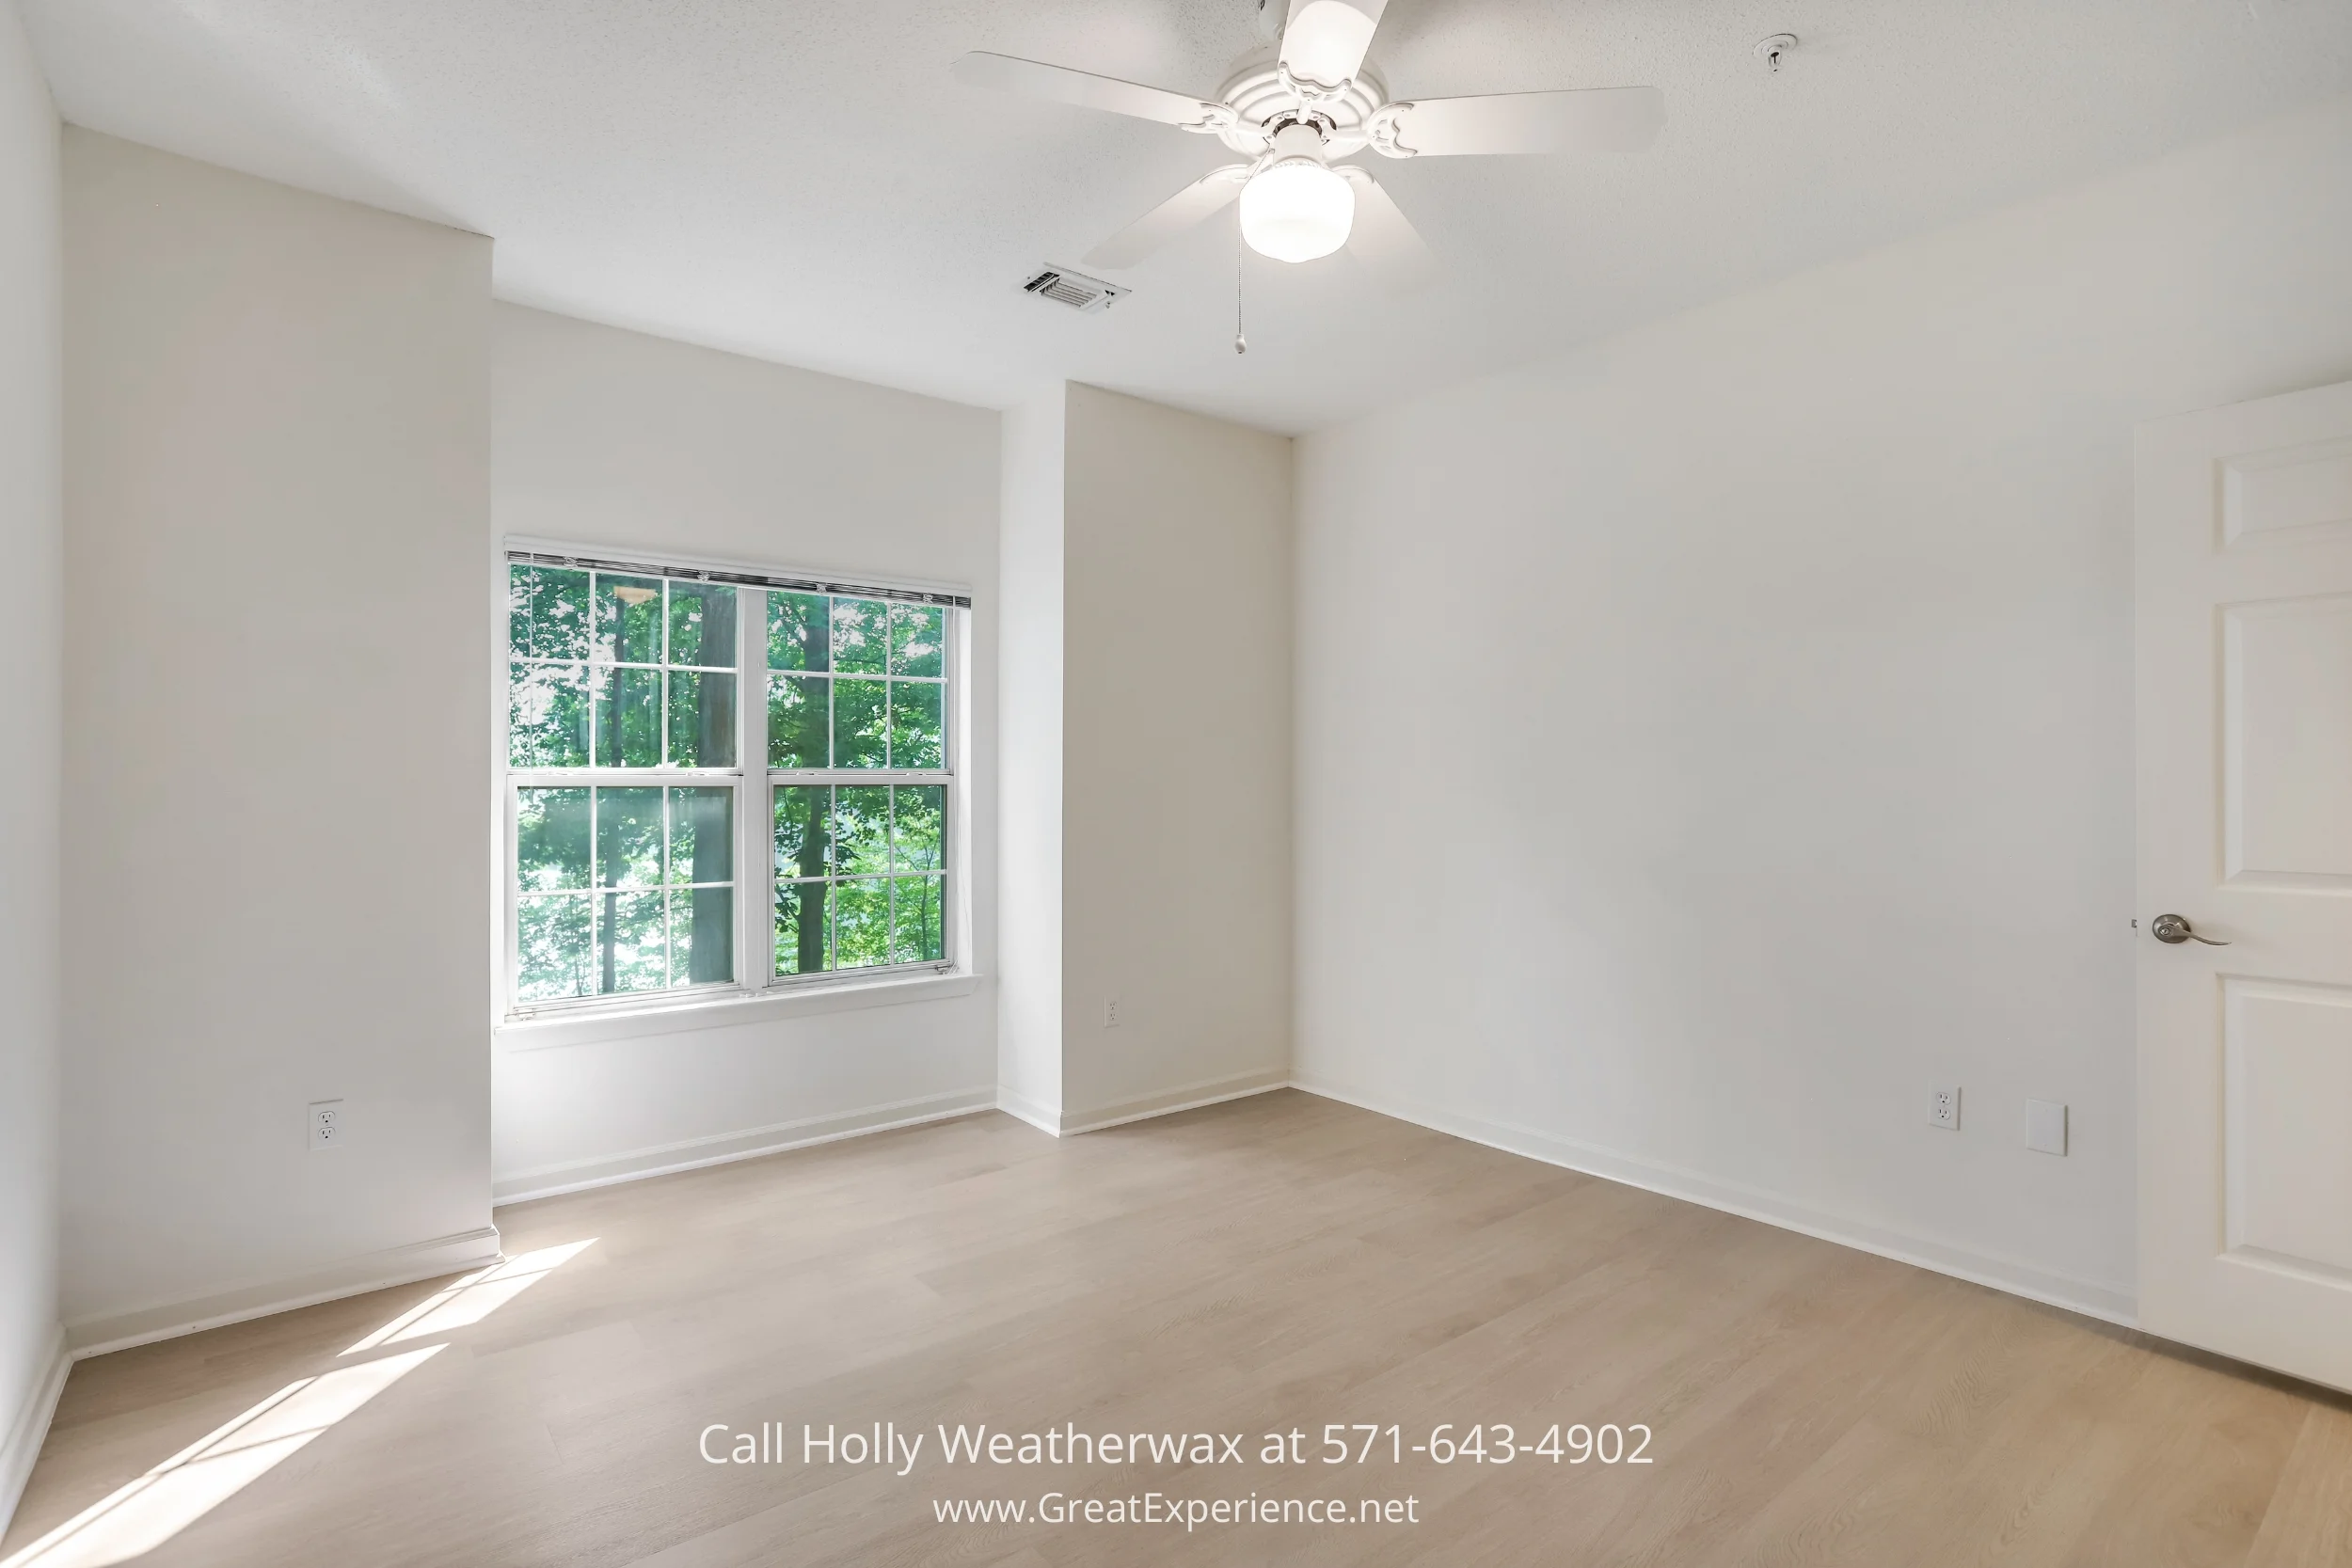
[327,1124]
[2045,1126]
[1943,1108]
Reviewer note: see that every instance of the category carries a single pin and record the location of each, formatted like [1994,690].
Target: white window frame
[757,990]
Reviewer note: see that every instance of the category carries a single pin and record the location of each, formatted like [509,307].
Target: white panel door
[2245,776]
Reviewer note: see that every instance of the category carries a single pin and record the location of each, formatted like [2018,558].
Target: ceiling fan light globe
[1296,210]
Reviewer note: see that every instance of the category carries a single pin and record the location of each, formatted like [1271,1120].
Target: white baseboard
[1183,1096]
[636,1165]
[1044,1119]
[21,1445]
[353,1276]
[2111,1303]
[1163,1103]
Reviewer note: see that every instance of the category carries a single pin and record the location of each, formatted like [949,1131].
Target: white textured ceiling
[802,180]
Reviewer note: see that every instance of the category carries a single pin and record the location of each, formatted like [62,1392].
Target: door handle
[2174,929]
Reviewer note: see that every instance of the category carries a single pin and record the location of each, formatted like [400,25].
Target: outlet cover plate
[327,1124]
[1943,1108]
[2045,1126]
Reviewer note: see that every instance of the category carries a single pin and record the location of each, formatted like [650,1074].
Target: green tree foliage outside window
[857,685]
[619,672]
[621,889]
[615,893]
[624,887]
[861,875]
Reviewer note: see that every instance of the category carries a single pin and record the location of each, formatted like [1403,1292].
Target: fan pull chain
[1241,344]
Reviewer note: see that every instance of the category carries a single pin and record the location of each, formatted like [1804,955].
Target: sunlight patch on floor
[475,1296]
[141,1516]
[136,1519]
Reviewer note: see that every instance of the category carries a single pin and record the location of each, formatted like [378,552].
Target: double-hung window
[722,780]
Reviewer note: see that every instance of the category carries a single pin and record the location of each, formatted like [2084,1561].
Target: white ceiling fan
[1312,103]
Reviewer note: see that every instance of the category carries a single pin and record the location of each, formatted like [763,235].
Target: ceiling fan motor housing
[1260,102]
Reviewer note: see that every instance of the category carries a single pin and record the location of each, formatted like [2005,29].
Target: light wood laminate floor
[1271,1264]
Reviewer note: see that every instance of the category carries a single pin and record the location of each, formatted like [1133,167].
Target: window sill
[766,1006]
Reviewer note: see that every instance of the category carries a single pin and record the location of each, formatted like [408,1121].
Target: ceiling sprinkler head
[1771,49]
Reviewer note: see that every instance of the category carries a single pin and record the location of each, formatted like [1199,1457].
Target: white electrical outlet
[1110,1012]
[2045,1126]
[1943,1108]
[327,1124]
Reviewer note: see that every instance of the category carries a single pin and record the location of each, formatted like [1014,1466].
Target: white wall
[610,438]
[1176,780]
[1030,676]
[1147,744]
[1714,739]
[31,651]
[276,492]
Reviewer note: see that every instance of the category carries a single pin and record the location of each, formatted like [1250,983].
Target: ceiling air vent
[1075,290]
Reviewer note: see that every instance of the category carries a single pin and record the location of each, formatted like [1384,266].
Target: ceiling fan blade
[1035,79]
[1324,42]
[1595,120]
[1169,219]
[1384,239]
